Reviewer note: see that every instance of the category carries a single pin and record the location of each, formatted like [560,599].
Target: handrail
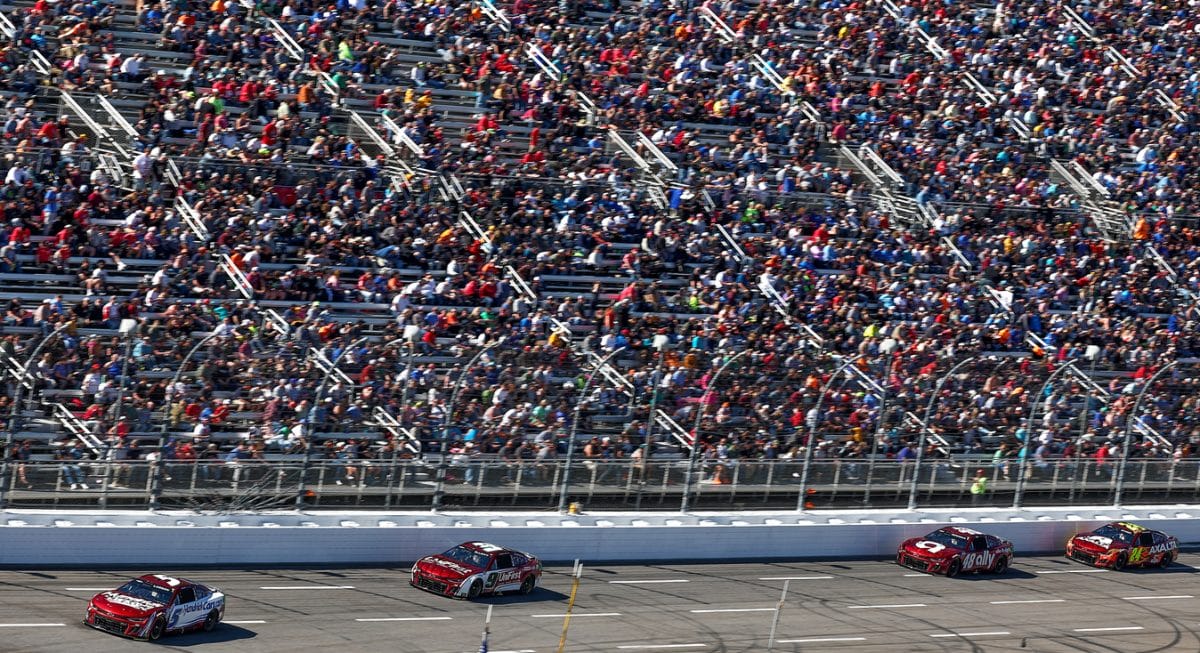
[370,132]
[655,152]
[77,428]
[191,218]
[116,117]
[91,124]
[240,282]
[496,14]
[398,431]
[402,136]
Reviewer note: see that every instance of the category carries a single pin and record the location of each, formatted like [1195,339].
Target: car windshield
[948,539]
[1114,533]
[467,557]
[143,590]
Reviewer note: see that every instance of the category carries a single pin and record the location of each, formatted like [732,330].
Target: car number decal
[932,547]
[1098,539]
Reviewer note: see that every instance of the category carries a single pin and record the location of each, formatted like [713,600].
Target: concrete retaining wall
[115,538]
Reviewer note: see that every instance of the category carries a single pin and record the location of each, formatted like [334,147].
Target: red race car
[1122,544]
[152,606]
[473,569]
[953,550]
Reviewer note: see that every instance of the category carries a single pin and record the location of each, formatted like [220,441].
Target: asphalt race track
[1044,604]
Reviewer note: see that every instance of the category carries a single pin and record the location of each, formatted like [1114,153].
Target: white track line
[1108,630]
[407,619]
[1073,571]
[1157,598]
[647,582]
[732,610]
[980,634]
[246,621]
[306,587]
[893,605]
[918,575]
[820,639]
[1028,601]
[87,589]
[32,625]
[574,615]
[796,578]
[655,646]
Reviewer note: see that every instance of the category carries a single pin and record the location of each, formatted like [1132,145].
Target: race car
[953,550]
[1122,544]
[153,605]
[473,569]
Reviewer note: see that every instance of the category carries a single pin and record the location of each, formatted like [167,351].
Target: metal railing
[219,485]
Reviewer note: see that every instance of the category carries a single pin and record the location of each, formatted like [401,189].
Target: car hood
[124,605]
[910,547]
[1096,543]
[443,567]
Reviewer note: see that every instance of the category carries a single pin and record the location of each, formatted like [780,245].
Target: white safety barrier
[146,540]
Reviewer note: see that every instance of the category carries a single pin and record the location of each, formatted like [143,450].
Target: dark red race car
[953,550]
[1122,544]
[152,606]
[473,569]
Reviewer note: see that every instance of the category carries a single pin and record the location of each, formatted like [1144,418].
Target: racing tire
[475,589]
[528,585]
[157,630]
[1120,562]
[211,621]
[954,568]
[1166,561]
[1001,565]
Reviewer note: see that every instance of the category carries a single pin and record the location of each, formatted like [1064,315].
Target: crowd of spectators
[770,244]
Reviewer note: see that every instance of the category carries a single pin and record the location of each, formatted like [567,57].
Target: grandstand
[388,230]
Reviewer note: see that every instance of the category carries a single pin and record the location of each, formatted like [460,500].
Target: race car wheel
[1166,561]
[157,630]
[527,585]
[954,568]
[1001,565]
[475,590]
[210,621]
[1119,563]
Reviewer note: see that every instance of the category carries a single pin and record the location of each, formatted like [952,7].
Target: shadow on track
[1012,574]
[222,633]
[1175,568]
[539,595]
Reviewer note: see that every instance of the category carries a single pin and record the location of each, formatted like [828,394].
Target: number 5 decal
[932,547]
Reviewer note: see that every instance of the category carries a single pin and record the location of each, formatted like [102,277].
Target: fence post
[1133,417]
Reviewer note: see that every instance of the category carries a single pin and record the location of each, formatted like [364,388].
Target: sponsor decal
[1140,553]
[199,606]
[508,576]
[1133,528]
[131,601]
[451,565]
[1099,540]
[981,559]
[1169,545]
